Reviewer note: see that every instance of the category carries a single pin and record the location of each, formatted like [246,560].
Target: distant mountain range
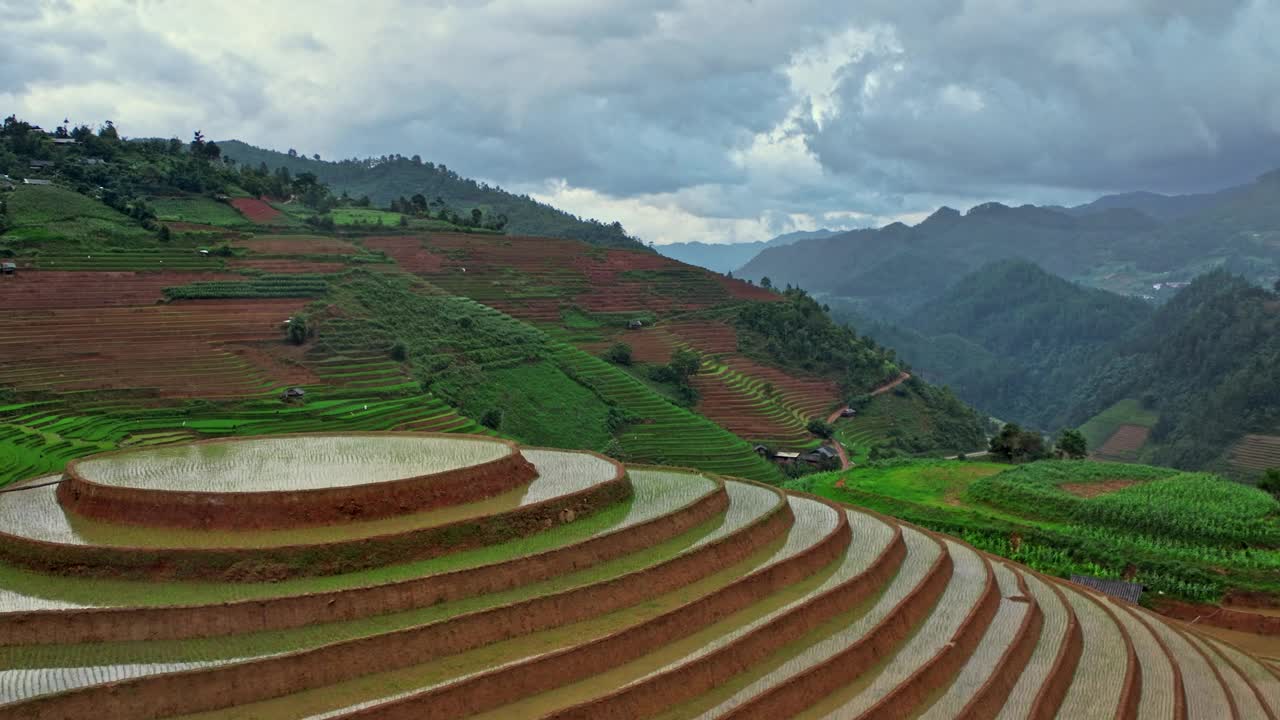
[1125,243]
[727,257]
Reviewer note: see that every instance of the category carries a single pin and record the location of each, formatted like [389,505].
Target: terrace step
[39,533]
[955,625]
[1266,683]
[819,536]
[1103,683]
[1206,695]
[341,652]
[1244,697]
[1163,695]
[734,643]
[986,680]
[839,650]
[665,504]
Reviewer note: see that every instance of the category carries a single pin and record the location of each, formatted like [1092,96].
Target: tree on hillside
[1013,444]
[765,282]
[1270,482]
[820,428]
[1072,444]
[619,354]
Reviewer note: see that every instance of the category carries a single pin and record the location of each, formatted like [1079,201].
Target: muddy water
[298,463]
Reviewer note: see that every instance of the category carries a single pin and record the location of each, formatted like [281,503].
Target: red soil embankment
[256,210]
[276,563]
[845,667]
[1226,618]
[175,623]
[547,672]
[659,692]
[282,509]
[241,683]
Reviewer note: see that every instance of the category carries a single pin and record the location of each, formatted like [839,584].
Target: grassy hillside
[387,178]
[168,313]
[1193,536]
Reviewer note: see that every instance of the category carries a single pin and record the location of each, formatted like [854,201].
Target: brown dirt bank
[259,564]
[169,623]
[294,508]
[200,690]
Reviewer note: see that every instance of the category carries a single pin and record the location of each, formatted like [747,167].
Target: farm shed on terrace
[293,393]
[786,457]
[822,455]
[33,181]
[8,268]
[1127,591]
[40,164]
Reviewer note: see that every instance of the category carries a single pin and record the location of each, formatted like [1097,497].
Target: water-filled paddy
[36,513]
[288,463]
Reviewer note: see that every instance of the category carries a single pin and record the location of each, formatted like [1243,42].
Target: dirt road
[844,455]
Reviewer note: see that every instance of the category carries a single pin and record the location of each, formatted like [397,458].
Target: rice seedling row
[983,663]
[1097,687]
[1247,704]
[1053,634]
[970,575]
[1206,696]
[1160,680]
[1267,682]
[922,552]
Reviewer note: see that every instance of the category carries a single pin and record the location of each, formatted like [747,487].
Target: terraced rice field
[533,278]
[689,597]
[287,463]
[1256,452]
[255,210]
[173,350]
[66,290]
[1124,444]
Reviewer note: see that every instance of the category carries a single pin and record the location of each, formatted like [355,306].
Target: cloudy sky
[713,120]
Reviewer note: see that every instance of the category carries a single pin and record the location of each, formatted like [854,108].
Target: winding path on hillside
[845,464]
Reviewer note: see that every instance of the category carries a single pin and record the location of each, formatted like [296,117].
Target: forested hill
[1106,245]
[1011,339]
[1025,346]
[392,177]
[1208,362]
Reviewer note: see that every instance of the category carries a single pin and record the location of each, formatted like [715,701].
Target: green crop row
[1164,503]
[264,286]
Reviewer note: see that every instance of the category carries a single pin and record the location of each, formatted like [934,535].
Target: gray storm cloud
[739,118]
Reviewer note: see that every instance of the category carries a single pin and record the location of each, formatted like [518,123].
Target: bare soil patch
[1094,489]
[1124,443]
